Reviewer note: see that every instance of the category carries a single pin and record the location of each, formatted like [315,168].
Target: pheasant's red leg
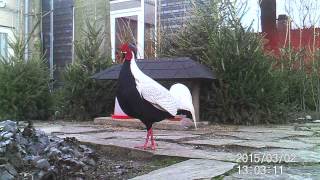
[147,140]
[153,143]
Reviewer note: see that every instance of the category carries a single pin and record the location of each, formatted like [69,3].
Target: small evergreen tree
[24,92]
[84,97]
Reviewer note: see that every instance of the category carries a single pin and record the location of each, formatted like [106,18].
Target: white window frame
[10,37]
[5,55]
[139,12]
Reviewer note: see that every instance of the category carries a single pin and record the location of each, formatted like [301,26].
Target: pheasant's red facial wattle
[126,52]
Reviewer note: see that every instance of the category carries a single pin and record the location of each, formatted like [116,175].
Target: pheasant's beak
[120,57]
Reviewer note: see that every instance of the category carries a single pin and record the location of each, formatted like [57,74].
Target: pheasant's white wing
[152,91]
[159,97]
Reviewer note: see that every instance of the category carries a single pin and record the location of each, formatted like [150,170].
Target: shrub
[84,97]
[248,90]
[298,71]
[24,92]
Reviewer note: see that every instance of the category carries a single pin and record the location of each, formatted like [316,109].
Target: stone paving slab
[317,148]
[129,134]
[141,135]
[68,128]
[80,137]
[284,132]
[264,129]
[255,136]
[173,149]
[50,128]
[175,137]
[311,140]
[137,134]
[289,144]
[313,127]
[74,130]
[191,133]
[277,172]
[310,124]
[126,143]
[136,123]
[189,170]
[298,133]
[214,142]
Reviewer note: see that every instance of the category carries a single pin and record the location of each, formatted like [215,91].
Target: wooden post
[196,99]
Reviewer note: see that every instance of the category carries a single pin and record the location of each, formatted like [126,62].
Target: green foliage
[24,92]
[313,85]
[84,97]
[247,90]
[300,78]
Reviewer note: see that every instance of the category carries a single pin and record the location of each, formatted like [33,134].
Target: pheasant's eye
[123,54]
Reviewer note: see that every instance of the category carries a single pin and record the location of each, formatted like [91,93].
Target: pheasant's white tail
[182,95]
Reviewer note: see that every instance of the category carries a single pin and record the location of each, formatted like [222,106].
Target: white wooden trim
[140,34]
[9,31]
[118,1]
[113,37]
[124,12]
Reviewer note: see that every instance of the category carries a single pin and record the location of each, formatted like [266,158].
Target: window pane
[3,44]
[126,30]
[149,31]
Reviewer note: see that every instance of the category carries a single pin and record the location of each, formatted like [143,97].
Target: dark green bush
[298,71]
[24,85]
[85,98]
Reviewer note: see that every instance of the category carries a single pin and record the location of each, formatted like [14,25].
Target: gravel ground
[110,166]
[27,153]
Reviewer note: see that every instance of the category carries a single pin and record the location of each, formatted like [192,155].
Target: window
[3,44]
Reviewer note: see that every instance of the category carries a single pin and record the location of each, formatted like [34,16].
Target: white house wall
[9,21]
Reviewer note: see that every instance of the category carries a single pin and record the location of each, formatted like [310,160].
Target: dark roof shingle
[163,69]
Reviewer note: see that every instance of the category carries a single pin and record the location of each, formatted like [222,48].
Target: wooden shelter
[183,70]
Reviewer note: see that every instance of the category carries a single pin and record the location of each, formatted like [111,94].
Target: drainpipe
[73,31]
[155,28]
[26,28]
[51,42]
[18,14]
[140,36]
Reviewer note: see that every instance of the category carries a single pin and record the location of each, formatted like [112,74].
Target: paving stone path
[224,152]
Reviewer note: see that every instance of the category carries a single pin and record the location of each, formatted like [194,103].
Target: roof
[182,68]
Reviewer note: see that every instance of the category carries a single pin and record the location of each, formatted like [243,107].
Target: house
[18,17]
